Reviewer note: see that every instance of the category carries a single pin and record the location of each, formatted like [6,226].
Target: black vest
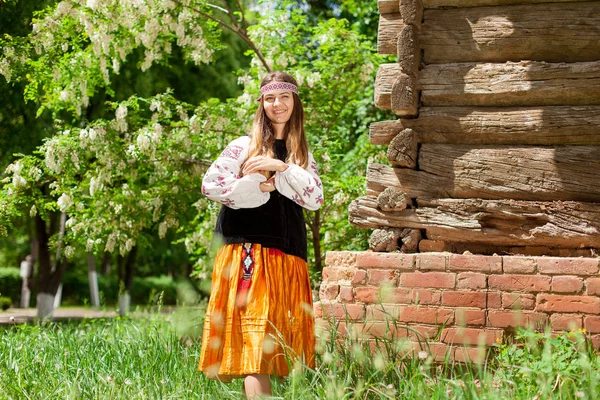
[278,224]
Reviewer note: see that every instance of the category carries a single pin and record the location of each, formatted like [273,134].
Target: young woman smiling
[260,309]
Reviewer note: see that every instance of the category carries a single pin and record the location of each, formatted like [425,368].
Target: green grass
[156,356]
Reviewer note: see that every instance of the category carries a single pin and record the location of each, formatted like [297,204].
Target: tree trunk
[49,276]
[126,268]
[93,281]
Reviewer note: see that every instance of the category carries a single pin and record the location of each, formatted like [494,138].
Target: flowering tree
[138,171]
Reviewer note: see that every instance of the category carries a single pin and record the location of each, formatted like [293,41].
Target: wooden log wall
[496,148]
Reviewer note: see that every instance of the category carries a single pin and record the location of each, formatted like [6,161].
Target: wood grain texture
[405,96]
[411,11]
[496,172]
[504,125]
[567,32]
[388,6]
[409,51]
[403,149]
[526,83]
[390,26]
[559,32]
[502,222]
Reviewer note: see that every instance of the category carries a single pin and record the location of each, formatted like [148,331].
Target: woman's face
[279,106]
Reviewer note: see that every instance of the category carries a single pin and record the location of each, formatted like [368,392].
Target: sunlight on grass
[156,356]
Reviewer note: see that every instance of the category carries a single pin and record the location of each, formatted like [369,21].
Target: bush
[10,283]
[5,303]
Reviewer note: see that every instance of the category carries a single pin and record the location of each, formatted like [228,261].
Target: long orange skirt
[259,316]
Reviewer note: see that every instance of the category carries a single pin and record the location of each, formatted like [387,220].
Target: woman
[260,309]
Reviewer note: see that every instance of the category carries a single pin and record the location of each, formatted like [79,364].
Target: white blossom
[143,142]
[69,251]
[64,202]
[33,211]
[162,229]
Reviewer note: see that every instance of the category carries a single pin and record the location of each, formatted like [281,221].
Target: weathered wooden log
[478,3]
[559,224]
[385,239]
[409,52]
[486,125]
[403,149]
[405,96]
[390,26]
[428,246]
[387,74]
[392,199]
[410,240]
[411,11]
[549,32]
[510,84]
[388,6]
[496,172]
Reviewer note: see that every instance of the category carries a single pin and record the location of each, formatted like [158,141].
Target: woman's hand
[268,185]
[262,163]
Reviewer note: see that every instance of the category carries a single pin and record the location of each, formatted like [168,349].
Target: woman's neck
[279,133]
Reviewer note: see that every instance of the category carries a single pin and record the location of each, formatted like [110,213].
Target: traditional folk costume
[260,309]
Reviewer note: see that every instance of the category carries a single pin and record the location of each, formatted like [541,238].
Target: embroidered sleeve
[222,182]
[301,185]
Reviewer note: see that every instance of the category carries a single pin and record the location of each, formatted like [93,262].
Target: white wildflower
[69,251]
[195,124]
[143,142]
[121,112]
[33,211]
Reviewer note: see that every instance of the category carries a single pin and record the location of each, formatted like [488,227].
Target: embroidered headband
[277,87]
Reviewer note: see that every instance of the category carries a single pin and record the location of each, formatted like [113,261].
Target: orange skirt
[259,315]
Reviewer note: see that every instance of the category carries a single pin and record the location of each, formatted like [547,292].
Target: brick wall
[476,298]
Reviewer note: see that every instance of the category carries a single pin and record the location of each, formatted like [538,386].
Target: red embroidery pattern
[278,86]
[246,279]
[232,152]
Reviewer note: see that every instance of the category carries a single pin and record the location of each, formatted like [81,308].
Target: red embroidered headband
[277,87]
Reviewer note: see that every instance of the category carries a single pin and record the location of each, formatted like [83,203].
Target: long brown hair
[263,135]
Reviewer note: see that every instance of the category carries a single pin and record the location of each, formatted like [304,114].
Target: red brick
[383,312]
[428,280]
[328,292]
[360,277]
[464,299]
[432,262]
[595,339]
[401,261]
[426,315]
[593,286]
[470,354]
[471,280]
[382,330]
[383,276]
[465,316]
[331,274]
[426,296]
[518,265]
[343,311]
[438,351]
[566,322]
[562,303]
[518,301]
[341,258]
[512,319]
[530,283]
[346,294]
[367,294]
[487,264]
[423,332]
[568,266]
[494,300]
[318,310]
[566,284]
[471,336]
[395,295]
[592,324]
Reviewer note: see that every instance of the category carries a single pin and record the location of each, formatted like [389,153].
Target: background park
[111,113]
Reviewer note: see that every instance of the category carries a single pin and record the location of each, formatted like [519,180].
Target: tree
[139,171]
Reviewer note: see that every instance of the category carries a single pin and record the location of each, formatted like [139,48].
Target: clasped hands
[260,164]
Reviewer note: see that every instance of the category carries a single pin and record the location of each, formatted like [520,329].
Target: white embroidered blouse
[222,181]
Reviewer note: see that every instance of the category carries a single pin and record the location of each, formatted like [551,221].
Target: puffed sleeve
[223,183]
[301,185]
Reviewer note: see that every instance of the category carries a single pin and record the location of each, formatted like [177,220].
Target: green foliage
[5,303]
[10,283]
